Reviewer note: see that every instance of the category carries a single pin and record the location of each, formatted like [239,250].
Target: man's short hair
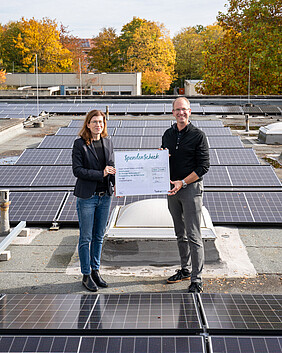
[184,98]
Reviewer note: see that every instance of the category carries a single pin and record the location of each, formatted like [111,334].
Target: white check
[143,172]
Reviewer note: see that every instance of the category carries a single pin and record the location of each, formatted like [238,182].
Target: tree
[126,37]
[11,57]
[2,76]
[105,55]
[74,45]
[151,48]
[155,82]
[188,45]
[42,38]
[252,30]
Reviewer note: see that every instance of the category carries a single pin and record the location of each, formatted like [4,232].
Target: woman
[93,166]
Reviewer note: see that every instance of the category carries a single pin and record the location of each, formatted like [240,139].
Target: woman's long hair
[85,132]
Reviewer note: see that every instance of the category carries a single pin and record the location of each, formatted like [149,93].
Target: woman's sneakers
[88,283]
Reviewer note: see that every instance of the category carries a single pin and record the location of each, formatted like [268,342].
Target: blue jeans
[93,216]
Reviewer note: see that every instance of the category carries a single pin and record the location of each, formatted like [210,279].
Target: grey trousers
[186,210]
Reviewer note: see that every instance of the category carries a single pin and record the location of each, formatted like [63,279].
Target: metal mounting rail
[11,236]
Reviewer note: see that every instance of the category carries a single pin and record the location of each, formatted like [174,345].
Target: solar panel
[135,198]
[61,109]
[68,212]
[79,123]
[151,142]
[76,123]
[155,108]
[54,176]
[237,312]
[270,109]
[154,131]
[232,109]
[65,131]
[217,176]
[65,157]
[213,157]
[57,142]
[74,131]
[217,131]
[260,175]
[44,311]
[227,207]
[224,141]
[212,109]
[197,109]
[102,344]
[113,123]
[145,311]
[158,123]
[126,142]
[17,175]
[207,123]
[128,131]
[136,108]
[252,110]
[265,206]
[168,108]
[104,312]
[133,123]
[118,109]
[241,176]
[35,206]
[243,344]
[236,156]
[244,207]
[35,156]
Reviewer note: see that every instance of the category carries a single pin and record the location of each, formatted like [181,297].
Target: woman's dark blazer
[86,167]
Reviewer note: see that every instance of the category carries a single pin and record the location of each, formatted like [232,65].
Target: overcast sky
[85,18]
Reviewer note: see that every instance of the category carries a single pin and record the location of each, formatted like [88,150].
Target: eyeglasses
[95,122]
[178,110]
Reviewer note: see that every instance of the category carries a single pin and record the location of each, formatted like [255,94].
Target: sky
[85,18]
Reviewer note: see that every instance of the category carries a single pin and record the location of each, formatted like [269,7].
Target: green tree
[11,57]
[252,30]
[188,45]
[105,55]
[126,37]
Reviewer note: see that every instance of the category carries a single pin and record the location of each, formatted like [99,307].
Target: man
[189,161]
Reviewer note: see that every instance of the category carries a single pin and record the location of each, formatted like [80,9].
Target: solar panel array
[225,207]
[54,176]
[135,323]
[23,110]
[237,188]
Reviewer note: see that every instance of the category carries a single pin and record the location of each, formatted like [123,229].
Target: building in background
[125,83]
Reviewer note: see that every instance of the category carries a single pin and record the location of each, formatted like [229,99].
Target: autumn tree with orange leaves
[42,38]
[104,56]
[252,30]
[155,82]
[2,76]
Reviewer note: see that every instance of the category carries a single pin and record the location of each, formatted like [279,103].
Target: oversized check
[143,172]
